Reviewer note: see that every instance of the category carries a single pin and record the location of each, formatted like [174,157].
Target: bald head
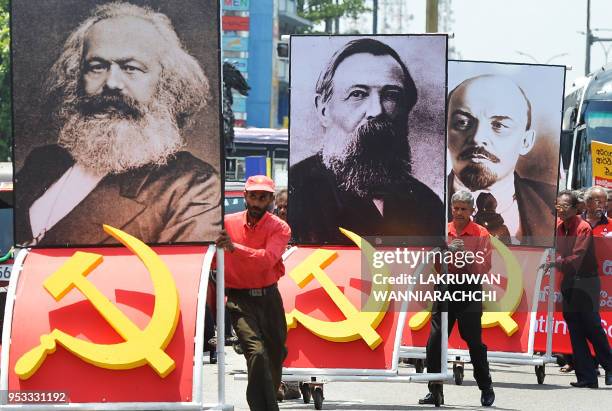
[501,85]
[489,127]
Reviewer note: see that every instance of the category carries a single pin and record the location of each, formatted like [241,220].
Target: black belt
[253,292]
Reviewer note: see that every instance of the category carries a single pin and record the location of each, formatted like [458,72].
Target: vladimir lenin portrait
[367,137]
[116,121]
[504,126]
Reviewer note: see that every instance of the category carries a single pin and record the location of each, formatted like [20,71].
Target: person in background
[580,288]
[254,241]
[287,390]
[281,204]
[581,206]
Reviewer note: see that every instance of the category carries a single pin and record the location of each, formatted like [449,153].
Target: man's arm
[570,264]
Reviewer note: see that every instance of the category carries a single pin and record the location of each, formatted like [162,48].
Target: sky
[499,30]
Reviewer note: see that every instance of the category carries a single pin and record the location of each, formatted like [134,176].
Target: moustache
[374,128]
[255,209]
[110,103]
[472,152]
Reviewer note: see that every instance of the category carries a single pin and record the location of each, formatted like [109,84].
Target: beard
[477,176]
[110,133]
[371,159]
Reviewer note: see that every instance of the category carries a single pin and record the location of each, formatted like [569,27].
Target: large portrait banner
[116,121]
[504,126]
[367,136]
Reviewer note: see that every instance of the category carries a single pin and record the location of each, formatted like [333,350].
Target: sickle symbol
[500,312]
[358,324]
[503,309]
[141,346]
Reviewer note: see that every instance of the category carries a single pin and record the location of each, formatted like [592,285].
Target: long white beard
[114,145]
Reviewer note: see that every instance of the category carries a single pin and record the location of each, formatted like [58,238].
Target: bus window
[6,207]
[598,120]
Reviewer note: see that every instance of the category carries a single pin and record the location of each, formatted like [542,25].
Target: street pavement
[516,388]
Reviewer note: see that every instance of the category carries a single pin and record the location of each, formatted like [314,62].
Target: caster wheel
[305,390]
[458,373]
[540,372]
[419,366]
[317,396]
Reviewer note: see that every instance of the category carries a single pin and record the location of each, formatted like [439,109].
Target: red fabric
[603,228]
[257,260]
[574,248]
[475,238]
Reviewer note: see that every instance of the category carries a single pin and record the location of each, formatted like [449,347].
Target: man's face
[257,203]
[364,87]
[281,207]
[365,118]
[487,120]
[461,212]
[596,204]
[122,117]
[122,54]
[565,209]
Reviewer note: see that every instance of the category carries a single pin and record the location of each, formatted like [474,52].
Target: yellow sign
[495,313]
[358,324]
[141,346]
[601,154]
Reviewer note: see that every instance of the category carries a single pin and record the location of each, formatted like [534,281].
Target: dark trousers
[468,317]
[259,322]
[581,313]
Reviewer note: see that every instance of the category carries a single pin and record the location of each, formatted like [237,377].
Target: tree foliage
[5,82]
[327,11]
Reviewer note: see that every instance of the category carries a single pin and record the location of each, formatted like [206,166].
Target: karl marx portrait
[122,92]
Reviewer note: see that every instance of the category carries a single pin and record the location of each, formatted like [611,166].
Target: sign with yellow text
[94,323]
[602,163]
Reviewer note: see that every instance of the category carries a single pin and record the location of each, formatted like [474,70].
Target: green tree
[5,82]
[329,11]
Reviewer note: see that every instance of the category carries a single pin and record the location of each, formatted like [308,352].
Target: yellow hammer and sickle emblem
[358,324]
[504,308]
[141,346]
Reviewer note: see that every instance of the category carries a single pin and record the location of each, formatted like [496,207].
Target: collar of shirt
[571,227]
[471,229]
[245,220]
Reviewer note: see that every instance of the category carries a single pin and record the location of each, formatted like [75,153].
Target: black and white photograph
[367,136]
[504,125]
[116,121]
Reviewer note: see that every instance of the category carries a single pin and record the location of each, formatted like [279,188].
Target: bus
[273,144]
[6,220]
[587,130]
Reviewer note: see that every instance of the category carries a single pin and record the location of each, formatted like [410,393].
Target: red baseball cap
[260,183]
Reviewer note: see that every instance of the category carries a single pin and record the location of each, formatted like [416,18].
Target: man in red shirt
[464,235]
[254,241]
[580,288]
